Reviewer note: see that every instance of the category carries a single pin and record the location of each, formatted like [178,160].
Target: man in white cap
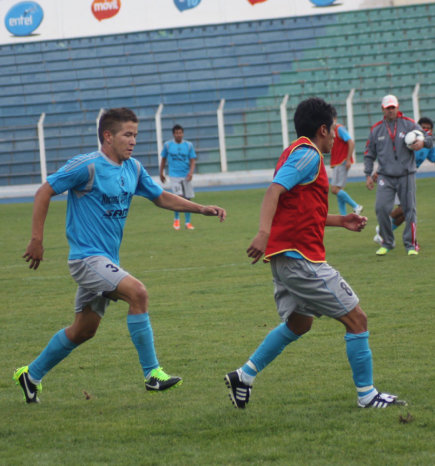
[396,173]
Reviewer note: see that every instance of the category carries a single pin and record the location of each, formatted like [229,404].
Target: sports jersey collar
[108,159]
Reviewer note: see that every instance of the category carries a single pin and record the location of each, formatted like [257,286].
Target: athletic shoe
[383,400]
[21,377]
[189,226]
[159,381]
[239,391]
[412,252]
[358,209]
[382,251]
[176,224]
[378,238]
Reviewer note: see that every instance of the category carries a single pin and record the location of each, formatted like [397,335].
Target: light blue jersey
[343,133]
[178,157]
[423,154]
[99,196]
[301,167]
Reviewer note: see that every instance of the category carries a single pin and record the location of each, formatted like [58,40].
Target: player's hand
[257,247]
[162,178]
[189,177]
[370,183]
[214,211]
[34,253]
[417,145]
[354,222]
[348,164]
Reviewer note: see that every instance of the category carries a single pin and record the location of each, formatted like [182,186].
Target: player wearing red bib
[293,217]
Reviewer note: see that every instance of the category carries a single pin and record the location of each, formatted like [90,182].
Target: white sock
[367,398]
[246,378]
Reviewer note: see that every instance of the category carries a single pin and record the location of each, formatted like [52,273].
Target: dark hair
[177,127]
[111,118]
[311,114]
[426,120]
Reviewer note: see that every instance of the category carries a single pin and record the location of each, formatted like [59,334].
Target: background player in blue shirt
[100,188]
[180,156]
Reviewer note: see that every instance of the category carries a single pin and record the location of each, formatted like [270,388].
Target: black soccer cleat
[383,400]
[21,377]
[159,381]
[239,391]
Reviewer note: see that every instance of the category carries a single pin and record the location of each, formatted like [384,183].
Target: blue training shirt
[178,157]
[301,167]
[423,154]
[99,197]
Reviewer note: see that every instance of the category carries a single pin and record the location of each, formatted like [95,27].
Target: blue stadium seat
[251,64]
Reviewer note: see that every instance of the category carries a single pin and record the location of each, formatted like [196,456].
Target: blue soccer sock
[360,360]
[269,349]
[393,225]
[141,332]
[343,198]
[176,215]
[58,348]
[187,217]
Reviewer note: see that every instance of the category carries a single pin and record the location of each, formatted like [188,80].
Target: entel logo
[23,18]
[104,9]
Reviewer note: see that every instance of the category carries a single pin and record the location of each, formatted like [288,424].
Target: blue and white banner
[38,20]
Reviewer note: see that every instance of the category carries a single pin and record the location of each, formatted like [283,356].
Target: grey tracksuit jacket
[393,159]
[396,169]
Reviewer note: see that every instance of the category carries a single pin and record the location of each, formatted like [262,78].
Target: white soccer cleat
[358,209]
[378,238]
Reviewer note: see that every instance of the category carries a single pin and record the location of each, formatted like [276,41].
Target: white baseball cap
[390,101]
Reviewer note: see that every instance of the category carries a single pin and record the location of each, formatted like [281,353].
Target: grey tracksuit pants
[405,187]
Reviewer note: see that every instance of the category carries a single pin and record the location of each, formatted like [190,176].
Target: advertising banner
[38,20]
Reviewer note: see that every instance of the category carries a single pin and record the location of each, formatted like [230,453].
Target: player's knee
[362,320]
[358,322]
[304,328]
[88,333]
[299,324]
[80,335]
[140,294]
[335,189]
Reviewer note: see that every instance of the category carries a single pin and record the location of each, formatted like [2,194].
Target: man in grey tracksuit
[395,173]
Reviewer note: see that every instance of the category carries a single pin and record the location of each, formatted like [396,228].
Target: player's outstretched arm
[351,221]
[268,208]
[35,250]
[172,202]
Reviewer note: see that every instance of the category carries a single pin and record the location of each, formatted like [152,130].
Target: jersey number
[346,288]
[111,266]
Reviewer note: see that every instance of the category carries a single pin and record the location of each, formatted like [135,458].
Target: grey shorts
[95,275]
[310,289]
[182,187]
[339,175]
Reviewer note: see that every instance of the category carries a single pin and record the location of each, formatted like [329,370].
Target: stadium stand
[252,65]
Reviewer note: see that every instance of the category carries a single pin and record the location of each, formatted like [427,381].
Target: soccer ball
[413,136]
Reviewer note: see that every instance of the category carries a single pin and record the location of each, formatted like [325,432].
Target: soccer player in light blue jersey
[179,155]
[425,154]
[100,188]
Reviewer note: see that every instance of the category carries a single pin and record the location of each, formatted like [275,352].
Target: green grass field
[210,309]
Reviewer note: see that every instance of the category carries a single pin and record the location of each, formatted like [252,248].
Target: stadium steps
[250,64]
